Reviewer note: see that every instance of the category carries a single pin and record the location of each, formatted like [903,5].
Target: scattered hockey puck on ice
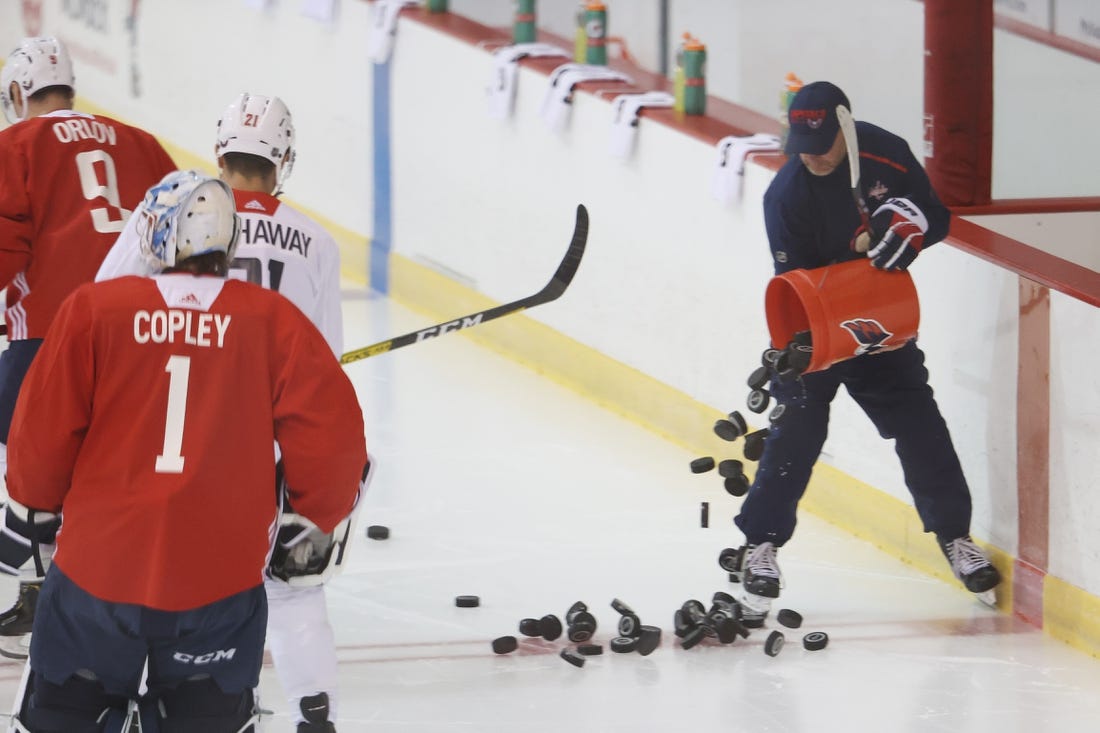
[649,640]
[815,640]
[504,644]
[680,623]
[777,413]
[620,607]
[790,619]
[550,627]
[530,627]
[754,444]
[736,485]
[704,514]
[623,644]
[758,400]
[702,465]
[769,356]
[759,378]
[730,468]
[590,650]
[726,430]
[378,532]
[738,422]
[774,644]
[467,601]
[693,637]
[630,625]
[577,660]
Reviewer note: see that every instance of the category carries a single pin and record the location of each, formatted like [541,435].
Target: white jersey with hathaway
[280,249]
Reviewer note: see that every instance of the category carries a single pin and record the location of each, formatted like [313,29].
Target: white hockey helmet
[185,215]
[35,64]
[261,126]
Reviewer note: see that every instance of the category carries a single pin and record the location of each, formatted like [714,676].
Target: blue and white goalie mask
[185,215]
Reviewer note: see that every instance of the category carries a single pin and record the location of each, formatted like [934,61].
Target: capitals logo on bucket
[868,333]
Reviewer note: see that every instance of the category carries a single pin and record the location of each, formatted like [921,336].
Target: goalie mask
[303,555]
[185,215]
[36,64]
[260,126]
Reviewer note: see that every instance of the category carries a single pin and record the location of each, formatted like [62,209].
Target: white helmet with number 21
[261,126]
[185,215]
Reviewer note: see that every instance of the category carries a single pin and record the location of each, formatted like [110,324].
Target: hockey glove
[897,234]
[27,535]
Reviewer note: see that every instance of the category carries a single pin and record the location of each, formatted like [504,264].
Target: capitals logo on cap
[812,118]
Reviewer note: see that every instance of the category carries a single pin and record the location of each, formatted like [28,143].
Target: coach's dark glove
[897,234]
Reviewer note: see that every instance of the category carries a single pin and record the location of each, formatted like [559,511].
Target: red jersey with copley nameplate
[68,182]
[147,419]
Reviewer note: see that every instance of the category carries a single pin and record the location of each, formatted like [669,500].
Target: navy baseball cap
[812,117]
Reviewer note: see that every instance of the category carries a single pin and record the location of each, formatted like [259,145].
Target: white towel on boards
[729,165]
[624,119]
[502,85]
[383,28]
[559,95]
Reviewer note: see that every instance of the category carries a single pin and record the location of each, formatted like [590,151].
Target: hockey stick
[552,291]
[848,128]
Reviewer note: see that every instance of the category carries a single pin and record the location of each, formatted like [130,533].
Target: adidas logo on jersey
[254,205]
[190,299]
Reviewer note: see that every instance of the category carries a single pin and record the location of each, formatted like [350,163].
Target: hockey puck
[777,413]
[623,644]
[577,660]
[693,637]
[729,560]
[758,400]
[680,623]
[736,485]
[759,378]
[530,627]
[726,430]
[590,650]
[620,607]
[754,444]
[378,532]
[550,627]
[704,514]
[649,640]
[790,619]
[702,465]
[769,356]
[582,628]
[504,644]
[730,468]
[774,644]
[630,625]
[815,640]
[738,422]
[467,601]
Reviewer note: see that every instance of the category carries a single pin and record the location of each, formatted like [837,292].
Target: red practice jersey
[148,419]
[68,182]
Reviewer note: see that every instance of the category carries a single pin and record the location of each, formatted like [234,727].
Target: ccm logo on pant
[210,658]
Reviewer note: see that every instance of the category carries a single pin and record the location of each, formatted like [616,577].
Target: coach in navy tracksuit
[812,221]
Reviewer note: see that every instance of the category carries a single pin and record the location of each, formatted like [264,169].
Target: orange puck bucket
[849,308]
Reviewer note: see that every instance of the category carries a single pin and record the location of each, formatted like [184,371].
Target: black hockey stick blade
[552,291]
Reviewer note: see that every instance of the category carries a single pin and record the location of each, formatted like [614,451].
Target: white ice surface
[497,482]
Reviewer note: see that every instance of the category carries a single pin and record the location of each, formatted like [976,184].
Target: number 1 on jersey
[179,370]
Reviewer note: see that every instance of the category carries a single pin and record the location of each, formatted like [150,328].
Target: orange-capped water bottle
[595,30]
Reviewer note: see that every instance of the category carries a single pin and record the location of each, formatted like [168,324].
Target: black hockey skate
[315,711]
[756,569]
[16,622]
[971,565]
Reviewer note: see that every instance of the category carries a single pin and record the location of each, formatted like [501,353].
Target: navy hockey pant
[892,389]
[73,630]
[14,363]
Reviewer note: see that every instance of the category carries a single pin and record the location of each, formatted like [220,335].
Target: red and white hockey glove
[897,234]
